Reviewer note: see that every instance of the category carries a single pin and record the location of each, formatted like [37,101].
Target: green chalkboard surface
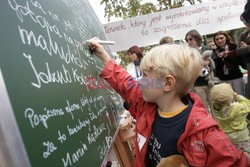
[46,65]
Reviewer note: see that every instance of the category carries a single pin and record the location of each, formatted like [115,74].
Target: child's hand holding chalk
[98,49]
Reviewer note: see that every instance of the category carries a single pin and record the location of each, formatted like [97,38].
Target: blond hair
[222,94]
[181,61]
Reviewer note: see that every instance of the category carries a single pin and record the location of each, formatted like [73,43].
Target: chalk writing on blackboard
[62,122]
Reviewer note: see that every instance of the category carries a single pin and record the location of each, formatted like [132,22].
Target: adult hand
[219,54]
[243,44]
[224,54]
[99,50]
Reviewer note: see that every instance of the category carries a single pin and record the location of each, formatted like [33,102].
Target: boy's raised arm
[116,76]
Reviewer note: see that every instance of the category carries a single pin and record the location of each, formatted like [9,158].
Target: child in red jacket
[170,120]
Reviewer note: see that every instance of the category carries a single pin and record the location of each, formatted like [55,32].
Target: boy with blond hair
[170,119]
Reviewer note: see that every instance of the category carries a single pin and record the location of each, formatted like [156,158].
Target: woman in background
[227,63]
[244,39]
[135,54]
[201,88]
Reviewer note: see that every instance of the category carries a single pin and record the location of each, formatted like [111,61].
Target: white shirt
[131,69]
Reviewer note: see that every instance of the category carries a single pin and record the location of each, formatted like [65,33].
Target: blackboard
[45,66]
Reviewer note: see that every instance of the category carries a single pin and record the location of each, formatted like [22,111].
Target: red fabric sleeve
[221,152]
[123,83]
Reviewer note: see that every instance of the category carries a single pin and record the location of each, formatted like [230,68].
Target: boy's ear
[169,83]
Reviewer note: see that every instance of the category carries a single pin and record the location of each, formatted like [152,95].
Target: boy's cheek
[145,97]
[159,84]
[141,84]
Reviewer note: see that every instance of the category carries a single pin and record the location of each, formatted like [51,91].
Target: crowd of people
[197,107]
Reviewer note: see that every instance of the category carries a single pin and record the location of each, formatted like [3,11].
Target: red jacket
[202,143]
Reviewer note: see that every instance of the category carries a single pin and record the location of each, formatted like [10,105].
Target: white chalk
[104,42]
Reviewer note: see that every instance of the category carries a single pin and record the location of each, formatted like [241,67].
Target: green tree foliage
[131,8]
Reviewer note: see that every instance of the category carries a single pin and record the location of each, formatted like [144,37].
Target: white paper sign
[148,29]
[141,141]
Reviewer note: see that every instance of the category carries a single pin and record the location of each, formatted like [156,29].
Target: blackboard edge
[12,149]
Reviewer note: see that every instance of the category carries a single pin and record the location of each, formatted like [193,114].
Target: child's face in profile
[152,86]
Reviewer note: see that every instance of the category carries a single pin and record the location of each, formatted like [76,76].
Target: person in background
[165,40]
[211,45]
[227,64]
[230,111]
[135,54]
[170,119]
[194,39]
[244,41]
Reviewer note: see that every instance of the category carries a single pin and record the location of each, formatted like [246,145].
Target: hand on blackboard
[99,50]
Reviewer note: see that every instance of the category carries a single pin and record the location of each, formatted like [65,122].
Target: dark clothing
[202,81]
[245,37]
[246,12]
[161,145]
[247,5]
[230,63]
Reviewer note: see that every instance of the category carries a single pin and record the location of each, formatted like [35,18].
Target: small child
[170,119]
[211,45]
[230,111]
